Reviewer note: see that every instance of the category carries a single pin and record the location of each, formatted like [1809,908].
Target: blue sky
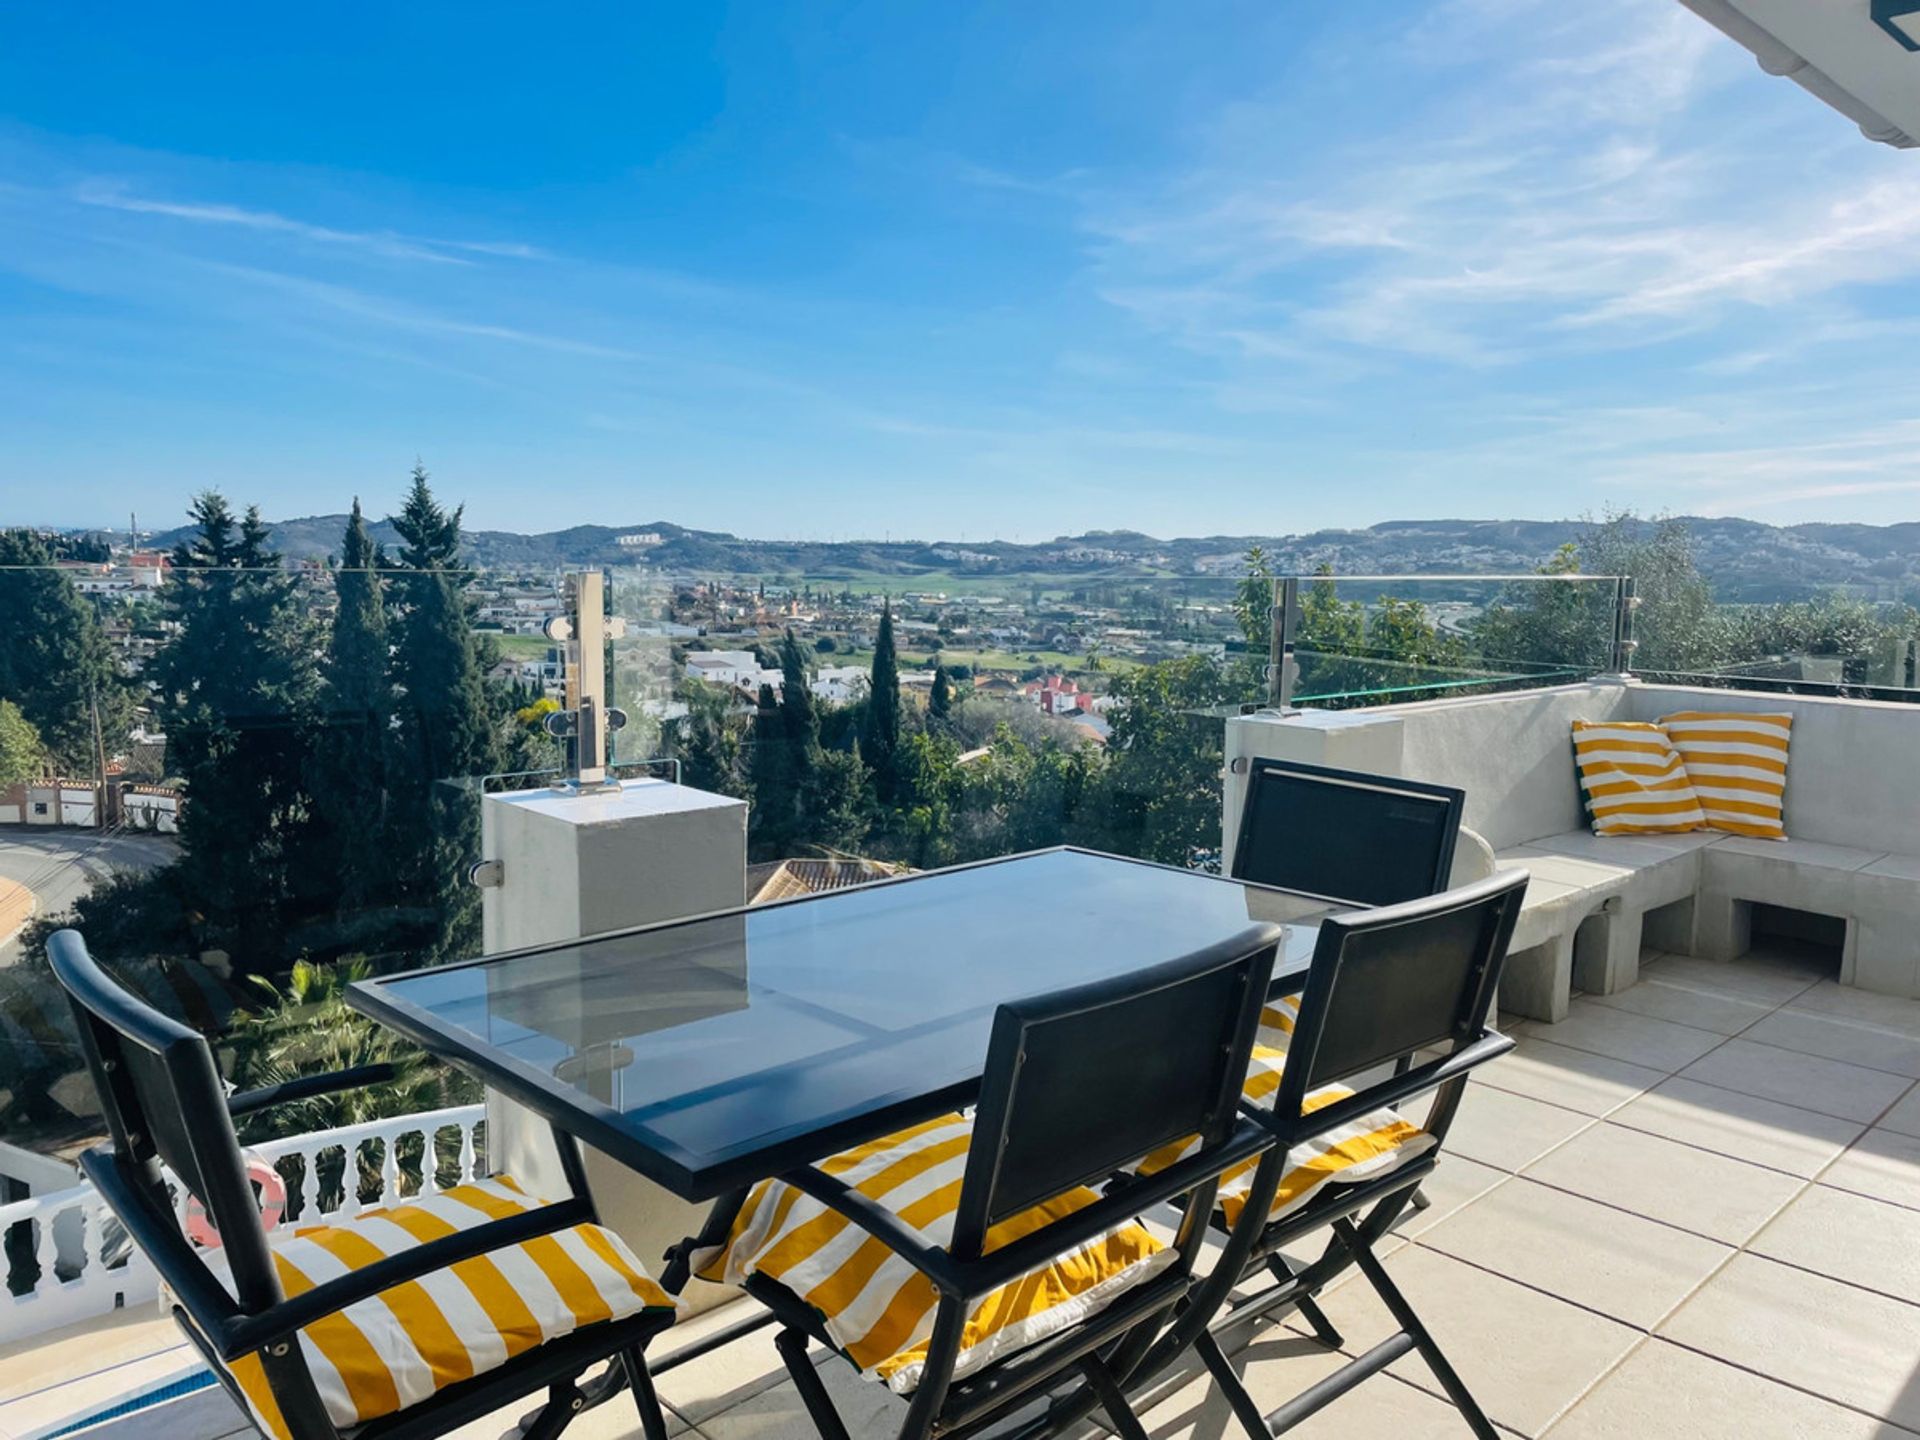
[950,271]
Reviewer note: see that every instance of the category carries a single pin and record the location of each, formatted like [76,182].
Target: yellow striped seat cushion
[1375,1144]
[398,1348]
[1634,780]
[875,1306]
[1277,1018]
[1738,764]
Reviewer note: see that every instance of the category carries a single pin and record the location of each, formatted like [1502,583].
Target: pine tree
[442,738]
[432,534]
[55,660]
[351,751]
[880,739]
[940,700]
[235,691]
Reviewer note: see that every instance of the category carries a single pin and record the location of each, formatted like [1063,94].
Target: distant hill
[1745,560]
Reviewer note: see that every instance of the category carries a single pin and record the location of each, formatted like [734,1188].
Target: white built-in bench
[1852,810]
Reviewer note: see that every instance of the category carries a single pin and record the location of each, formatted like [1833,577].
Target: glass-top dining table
[712,1052]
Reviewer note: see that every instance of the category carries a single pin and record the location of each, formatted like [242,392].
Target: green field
[1012,660]
[522,647]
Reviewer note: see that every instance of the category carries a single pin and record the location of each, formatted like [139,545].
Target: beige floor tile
[1637,1039]
[1621,1265]
[615,1419]
[1882,1163]
[1761,981]
[1663,1390]
[870,1410]
[724,1377]
[1904,1117]
[1834,1339]
[1849,1237]
[1746,1127]
[1274,1370]
[1661,999]
[1664,1180]
[1455,1183]
[1509,1132]
[1524,1355]
[1831,1087]
[1577,1079]
[1853,1041]
[1849,1003]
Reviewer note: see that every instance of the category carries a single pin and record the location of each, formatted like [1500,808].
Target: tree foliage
[21,754]
[55,660]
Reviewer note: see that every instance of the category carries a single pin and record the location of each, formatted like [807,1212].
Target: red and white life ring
[273,1203]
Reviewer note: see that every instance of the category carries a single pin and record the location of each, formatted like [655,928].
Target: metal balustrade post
[1624,604]
[1280,644]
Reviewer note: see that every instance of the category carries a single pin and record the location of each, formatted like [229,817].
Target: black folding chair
[1078,1084]
[1405,988]
[164,1104]
[1346,836]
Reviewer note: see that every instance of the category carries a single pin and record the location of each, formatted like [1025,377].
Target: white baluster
[390,1167]
[44,1250]
[466,1151]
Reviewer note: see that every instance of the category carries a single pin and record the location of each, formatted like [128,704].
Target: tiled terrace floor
[1691,1210]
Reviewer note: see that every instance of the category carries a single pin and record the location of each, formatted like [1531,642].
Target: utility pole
[99,766]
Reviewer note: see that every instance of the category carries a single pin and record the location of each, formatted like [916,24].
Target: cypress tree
[442,742]
[775,800]
[940,700]
[351,750]
[55,659]
[880,737]
[235,691]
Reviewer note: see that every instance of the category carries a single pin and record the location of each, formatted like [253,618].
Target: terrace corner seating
[399,1324]
[1396,1003]
[1079,1084]
[1852,817]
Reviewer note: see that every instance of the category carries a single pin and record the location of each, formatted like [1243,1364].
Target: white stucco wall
[1853,770]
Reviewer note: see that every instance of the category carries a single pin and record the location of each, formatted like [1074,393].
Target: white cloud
[111,196]
[1581,178]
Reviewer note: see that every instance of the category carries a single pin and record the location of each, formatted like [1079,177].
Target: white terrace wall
[1512,754]
[1853,772]
[1853,776]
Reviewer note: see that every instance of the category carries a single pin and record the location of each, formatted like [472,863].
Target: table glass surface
[707,1042]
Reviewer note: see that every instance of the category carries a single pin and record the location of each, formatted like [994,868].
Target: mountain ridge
[1745,559]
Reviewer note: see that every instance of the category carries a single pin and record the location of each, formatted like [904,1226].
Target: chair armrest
[970,1279]
[181,1267]
[251,1332]
[246,1102]
[879,1222]
[1030,1252]
[1393,1091]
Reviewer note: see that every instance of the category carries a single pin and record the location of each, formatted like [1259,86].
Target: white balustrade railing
[88,1268]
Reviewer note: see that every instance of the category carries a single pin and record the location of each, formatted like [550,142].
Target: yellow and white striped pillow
[400,1347]
[1738,764]
[876,1307]
[1635,780]
[1374,1144]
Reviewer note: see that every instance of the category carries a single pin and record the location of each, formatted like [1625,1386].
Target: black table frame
[600,1126]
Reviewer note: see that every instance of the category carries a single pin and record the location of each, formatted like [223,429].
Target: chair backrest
[1081,1082]
[1345,835]
[161,1096]
[1390,982]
